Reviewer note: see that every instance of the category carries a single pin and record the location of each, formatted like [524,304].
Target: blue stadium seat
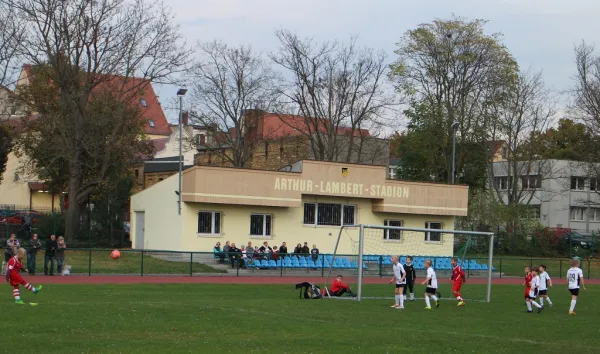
[278,263]
[484,267]
[318,263]
[264,264]
[272,264]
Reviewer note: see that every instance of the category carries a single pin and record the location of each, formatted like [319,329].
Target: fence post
[322,266]
[500,268]
[380,265]
[142,270]
[89,262]
[530,263]
[560,267]
[191,263]
[281,267]
[589,268]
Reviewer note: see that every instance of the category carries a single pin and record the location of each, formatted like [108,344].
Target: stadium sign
[340,188]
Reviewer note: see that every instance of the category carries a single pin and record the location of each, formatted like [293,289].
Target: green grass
[271,319]
[129,263]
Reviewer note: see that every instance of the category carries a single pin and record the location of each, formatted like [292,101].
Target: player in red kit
[13,276]
[527,283]
[458,276]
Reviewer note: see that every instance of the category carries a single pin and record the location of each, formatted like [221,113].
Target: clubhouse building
[307,201]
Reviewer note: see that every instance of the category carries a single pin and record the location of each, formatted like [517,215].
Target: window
[209,222]
[392,172]
[326,214]
[143,102]
[431,236]
[151,123]
[577,183]
[266,150]
[577,213]
[260,224]
[392,235]
[501,183]
[534,212]
[160,179]
[136,173]
[201,139]
[593,184]
[595,214]
[531,182]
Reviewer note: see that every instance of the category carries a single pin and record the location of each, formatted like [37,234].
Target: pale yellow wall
[17,192]
[288,226]
[162,222]
[154,136]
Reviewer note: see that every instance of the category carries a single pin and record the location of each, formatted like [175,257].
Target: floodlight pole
[180,94]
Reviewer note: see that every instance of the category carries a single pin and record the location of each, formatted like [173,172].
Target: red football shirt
[458,275]
[528,279]
[13,268]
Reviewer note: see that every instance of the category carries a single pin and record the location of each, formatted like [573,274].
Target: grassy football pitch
[215,318]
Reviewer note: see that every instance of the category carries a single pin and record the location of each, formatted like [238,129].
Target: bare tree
[526,108]
[586,91]
[338,89]
[93,52]
[231,83]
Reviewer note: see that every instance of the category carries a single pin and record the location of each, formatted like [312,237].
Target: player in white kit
[533,291]
[400,280]
[575,278]
[545,283]
[432,284]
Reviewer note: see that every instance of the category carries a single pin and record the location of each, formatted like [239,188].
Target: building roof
[146,99]
[166,164]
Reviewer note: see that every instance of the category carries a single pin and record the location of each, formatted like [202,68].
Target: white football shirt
[399,273]
[544,279]
[433,278]
[535,282]
[574,276]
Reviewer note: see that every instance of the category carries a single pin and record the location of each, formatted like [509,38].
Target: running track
[125,279]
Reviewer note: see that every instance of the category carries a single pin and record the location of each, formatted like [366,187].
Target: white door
[139,230]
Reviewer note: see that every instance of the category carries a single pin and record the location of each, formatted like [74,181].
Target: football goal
[362,255]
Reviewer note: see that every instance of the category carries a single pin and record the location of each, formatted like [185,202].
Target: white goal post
[364,252]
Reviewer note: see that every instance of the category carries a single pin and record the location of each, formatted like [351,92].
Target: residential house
[20,189]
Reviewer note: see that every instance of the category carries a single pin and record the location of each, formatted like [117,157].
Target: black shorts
[431,291]
[530,297]
[542,292]
[400,286]
[574,292]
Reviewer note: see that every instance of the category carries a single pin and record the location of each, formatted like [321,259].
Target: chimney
[185,118]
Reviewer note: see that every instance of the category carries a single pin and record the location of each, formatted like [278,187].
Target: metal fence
[88,261]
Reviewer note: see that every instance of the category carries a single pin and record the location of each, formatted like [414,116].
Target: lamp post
[180,93]
[454,129]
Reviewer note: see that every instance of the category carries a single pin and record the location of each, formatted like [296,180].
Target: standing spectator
[60,254]
[314,253]
[305,249]
[249,248]
[283,250]
[34,246]
[226,249]
[51,246]
[11,250]
[11,247]
[298,249]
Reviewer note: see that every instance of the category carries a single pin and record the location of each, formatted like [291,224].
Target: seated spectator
[275,253]
[265,249]
[244,252]
[226,249]
[217,252]
[283,250]
[339,288]
[305,249]
[298,249]
[249,248]
[236,256]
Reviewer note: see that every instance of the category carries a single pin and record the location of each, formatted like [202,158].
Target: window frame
[526,182]
[216,226]
[595,215]
[573,209]
[151,123]
[501,183]
[428,233]
[143,102]
[315,216]
[577,183]
[264,225]
[386,232]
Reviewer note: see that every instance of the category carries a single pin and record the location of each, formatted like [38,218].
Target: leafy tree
[5,148]
[95,58]
[568,141]
[450,71]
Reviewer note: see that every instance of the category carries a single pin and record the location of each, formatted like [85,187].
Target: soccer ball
[115,254]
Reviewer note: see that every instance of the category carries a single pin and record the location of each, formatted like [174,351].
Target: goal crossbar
[362,227]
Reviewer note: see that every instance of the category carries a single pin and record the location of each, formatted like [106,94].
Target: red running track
[125,279]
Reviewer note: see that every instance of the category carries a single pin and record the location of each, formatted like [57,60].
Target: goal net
[373,246]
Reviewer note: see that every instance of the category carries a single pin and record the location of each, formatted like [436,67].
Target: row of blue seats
[346,264]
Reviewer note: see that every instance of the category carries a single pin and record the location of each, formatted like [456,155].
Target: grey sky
[539,33]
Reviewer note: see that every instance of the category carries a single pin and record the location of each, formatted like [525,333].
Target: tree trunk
[72,222]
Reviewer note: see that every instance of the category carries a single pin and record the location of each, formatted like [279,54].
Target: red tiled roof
[153,110]
[272,126]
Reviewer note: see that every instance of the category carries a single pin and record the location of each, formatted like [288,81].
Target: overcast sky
[540,33]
